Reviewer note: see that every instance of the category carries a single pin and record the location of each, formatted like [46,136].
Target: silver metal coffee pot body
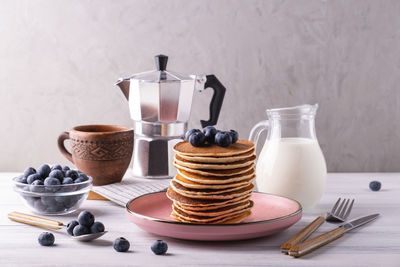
[160,103]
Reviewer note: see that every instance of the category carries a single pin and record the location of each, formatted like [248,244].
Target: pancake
[218,211]
[214,166]
[223,173]
[227,159]
[234,220]
[240,147]
[174,196]
[180,189]
[209,219]
[213,180]
[228,195]
[191,184]
[201,208]
[213,184]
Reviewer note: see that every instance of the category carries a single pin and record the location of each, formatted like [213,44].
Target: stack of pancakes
[213,183]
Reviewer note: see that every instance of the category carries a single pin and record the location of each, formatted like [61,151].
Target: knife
[306,247]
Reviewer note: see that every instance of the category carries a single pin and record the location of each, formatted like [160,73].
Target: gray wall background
[59,60]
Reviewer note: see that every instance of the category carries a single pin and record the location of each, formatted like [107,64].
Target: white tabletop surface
[377,244]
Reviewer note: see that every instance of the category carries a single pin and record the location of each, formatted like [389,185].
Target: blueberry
[44,171]
[190,132]
[46,239]
[97,227]
[25,188]
[197,139]
[234,136]
[81,178]
[210,133]
[65,168]
[375,185]
[70,227]
[56,207]
[39,206]
[67,180]
[80,230]
[70,201]
[57,174]
[29,171]
[49,181]
[86,218]
[30,200]
[56,167]
[48,200]
[72,173]
[121,244]
[159,247]
[37,186]
[223,139]
[33,177]
[21,179]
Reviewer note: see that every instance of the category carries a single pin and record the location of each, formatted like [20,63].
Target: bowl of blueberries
[54,190]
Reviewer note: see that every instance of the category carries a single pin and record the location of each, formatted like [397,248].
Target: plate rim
[299,210]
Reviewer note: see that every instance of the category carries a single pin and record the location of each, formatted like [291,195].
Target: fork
[339,213]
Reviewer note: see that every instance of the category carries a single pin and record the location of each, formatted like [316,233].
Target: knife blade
[358,222]
[307,246]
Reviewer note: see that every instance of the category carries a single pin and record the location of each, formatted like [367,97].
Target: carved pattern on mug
[102,150]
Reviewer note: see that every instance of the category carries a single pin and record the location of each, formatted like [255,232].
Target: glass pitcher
[291,163]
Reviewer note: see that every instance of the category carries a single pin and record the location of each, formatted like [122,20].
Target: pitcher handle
[257,130]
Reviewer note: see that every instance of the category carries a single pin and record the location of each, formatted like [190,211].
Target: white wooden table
[377,244]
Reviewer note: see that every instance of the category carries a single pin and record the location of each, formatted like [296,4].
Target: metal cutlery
[339,213]
[306,247]
[49,224]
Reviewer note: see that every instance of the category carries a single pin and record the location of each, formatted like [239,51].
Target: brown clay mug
[101,151]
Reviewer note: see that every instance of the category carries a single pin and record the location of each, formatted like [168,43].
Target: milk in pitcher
[291,163]
[292,167]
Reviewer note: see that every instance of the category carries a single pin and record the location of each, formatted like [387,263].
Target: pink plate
[270,214]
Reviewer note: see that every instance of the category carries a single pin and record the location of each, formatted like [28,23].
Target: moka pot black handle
[216,100]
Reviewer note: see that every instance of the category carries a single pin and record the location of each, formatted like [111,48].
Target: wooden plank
[377,244]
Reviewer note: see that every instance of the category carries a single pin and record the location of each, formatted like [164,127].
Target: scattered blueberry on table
[85,224]
[121,244]
[46,239]
[159,247]
[375,185]
[210,135]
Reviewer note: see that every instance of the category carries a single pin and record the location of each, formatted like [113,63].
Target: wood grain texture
[303,234]
[34,220]
[308,246]
[94,196]
[377,244]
